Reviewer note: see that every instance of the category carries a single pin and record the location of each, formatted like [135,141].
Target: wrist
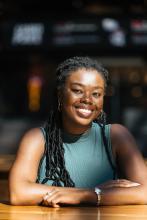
[98,192]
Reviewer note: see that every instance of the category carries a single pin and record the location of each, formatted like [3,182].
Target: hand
[117,183]
[60,196]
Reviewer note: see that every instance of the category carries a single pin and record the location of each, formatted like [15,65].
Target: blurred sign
[98,33]
[138,32]
[28,34]
[74,33]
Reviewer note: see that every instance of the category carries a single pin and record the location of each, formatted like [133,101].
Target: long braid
[101,120]
[55,164]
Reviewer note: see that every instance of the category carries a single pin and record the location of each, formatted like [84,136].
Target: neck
[75,130]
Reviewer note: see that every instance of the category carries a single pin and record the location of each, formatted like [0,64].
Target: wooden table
[138,212]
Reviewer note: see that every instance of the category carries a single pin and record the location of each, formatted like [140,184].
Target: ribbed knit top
[85,158]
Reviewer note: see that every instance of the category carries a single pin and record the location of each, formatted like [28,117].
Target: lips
[83,112]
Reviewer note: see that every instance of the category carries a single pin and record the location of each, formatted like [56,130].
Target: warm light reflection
[48,213]
[136,91]
[134,77]
[34,87]
[145,78]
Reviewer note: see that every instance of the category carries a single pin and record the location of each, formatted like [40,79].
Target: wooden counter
[135,212]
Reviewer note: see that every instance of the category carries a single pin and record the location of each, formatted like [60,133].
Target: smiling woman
[82,100]
[76,158]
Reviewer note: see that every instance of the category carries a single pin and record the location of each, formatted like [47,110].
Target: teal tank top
[85,158]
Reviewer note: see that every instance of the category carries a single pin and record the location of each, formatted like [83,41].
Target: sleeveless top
[85,158]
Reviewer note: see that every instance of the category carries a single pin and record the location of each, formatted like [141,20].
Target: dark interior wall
[19,62]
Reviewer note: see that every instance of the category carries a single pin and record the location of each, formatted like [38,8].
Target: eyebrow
[80,84]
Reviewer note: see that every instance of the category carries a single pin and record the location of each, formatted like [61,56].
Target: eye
[77,91]
[97,94]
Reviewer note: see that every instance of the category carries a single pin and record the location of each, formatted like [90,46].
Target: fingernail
[136,184]
[44,198]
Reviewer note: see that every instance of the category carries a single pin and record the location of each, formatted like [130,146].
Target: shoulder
[119,132]
[32,141]
[34,135]
[29,154]
[129,160]
[122,139]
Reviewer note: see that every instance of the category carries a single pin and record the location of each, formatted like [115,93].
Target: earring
[59,106]
[102,117]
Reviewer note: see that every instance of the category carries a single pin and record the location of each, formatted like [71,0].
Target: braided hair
[55,163]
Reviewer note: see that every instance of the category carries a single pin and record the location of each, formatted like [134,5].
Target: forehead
[85,77]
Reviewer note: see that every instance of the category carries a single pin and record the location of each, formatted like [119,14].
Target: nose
[86,98]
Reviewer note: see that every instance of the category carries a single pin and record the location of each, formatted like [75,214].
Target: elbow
[17,193]
[142,198]
[14,192]
[17,200]
[14,198]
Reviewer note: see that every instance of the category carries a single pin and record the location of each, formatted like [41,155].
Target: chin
[84,122]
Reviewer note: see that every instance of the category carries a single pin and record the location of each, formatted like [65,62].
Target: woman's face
[81,99]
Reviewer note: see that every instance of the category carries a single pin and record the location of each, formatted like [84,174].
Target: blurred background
[36,35]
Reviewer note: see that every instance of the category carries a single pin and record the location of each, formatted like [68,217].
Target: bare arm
[132,169]
[22,179]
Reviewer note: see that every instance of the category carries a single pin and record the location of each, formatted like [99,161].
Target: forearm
[111,196]
[118,196]
[33,194]
[124,196]
[27,193]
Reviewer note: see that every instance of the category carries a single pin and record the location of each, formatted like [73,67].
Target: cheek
[100,103]
[67,102]
[69,98]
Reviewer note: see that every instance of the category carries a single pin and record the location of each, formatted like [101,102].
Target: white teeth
[84,110]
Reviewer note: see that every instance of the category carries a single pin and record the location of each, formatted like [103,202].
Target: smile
[82,112]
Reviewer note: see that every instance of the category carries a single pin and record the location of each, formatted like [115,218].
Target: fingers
[49,199]
[118,183]
[124,183]
[56,197]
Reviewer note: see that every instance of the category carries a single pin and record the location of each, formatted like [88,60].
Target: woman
[76,158]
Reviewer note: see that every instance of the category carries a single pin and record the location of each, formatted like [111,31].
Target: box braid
[101,120]
[54,151]
[55,164]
